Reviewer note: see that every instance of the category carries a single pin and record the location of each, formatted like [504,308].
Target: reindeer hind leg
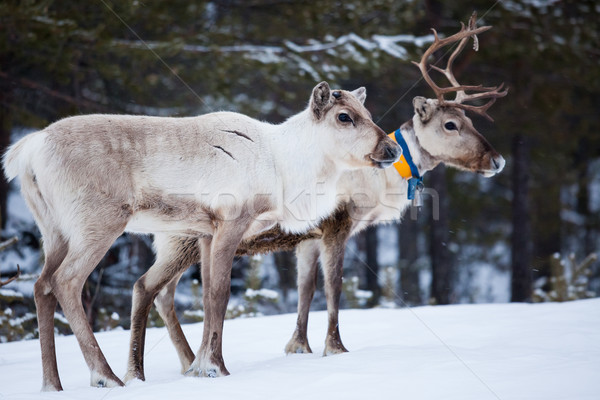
[332,262]
[174,255]
[84,253]
[165,304]
[55,248]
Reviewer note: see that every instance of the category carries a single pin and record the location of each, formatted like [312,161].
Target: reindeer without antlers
[218,178]
[439,132]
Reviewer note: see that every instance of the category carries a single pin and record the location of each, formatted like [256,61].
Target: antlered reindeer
[220,177]
[439,132]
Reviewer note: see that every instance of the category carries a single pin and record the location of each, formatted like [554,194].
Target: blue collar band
[416,180]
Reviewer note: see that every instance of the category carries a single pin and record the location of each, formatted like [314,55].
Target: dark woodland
[494,239]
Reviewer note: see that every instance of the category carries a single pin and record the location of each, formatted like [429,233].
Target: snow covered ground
[495,351]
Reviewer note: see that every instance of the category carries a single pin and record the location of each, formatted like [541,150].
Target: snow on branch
[392,45]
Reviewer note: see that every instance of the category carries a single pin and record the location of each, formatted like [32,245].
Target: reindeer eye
[343,117]
[451,126]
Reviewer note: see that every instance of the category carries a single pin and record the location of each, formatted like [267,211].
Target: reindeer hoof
[102,381]
[131,375]
[333,350]
[193,371]
[107,383]
[211,373]
[296,347]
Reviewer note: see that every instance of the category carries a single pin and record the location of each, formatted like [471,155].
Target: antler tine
[472,25]
[494,94]
[463,36]
[448,71]
[481,110]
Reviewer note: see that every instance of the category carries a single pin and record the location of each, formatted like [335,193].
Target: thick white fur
[291,165]
[223,175]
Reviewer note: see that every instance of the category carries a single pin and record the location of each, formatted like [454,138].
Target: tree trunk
[521,281]
[442,282]
[372,270]
[410,291]
[582,158]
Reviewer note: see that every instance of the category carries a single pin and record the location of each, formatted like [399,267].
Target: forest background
[522,235]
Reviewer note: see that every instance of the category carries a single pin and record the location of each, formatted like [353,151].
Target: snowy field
[499,351]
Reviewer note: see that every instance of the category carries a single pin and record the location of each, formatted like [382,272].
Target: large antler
[463,36]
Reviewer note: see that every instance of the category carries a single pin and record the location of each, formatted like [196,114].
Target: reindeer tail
[18,157]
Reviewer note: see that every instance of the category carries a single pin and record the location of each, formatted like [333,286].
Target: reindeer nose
[393,152]
[498,163]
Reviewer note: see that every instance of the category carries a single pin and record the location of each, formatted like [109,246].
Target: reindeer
[218,178]
[439,132]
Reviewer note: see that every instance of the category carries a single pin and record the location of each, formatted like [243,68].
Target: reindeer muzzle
[386,154]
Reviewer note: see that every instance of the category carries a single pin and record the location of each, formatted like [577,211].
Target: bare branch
[7,243]
[4,245]
[3,283]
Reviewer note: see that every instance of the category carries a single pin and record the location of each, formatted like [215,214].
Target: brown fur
[274,240]
[186,252]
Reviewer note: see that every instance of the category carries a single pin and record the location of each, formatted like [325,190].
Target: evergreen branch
[387,44]
[54,93]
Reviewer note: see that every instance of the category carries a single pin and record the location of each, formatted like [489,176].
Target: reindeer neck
[298,151]
[307,175]
[413,163]
[424,161]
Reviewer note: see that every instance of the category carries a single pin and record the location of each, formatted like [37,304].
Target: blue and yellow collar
[405,165]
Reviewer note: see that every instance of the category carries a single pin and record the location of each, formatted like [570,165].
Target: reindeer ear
[321,99]
[423,107]
[360,94]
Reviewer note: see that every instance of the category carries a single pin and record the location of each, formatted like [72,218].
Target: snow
[273,53]
[487,351]
[265,293]
[11,293]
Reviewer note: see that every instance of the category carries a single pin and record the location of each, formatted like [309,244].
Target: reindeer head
[442,128]
[449,136]
[350,130]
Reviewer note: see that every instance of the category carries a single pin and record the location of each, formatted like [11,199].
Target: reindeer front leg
[174,255]
[228,234]
[307,254]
